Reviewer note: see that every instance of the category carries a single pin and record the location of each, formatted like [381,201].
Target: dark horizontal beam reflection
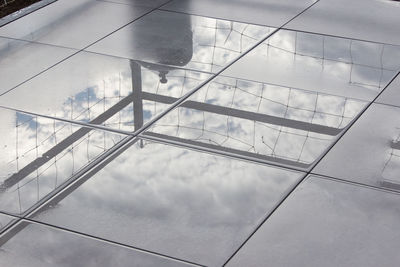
[248,115]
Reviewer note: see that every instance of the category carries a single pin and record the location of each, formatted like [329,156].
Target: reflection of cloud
[95,89]
[255,132]
[320,63]
[322,217]
[55,248]
[202,206]
[183,40]
[26,140]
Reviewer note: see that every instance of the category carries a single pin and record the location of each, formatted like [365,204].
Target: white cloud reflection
[192,205]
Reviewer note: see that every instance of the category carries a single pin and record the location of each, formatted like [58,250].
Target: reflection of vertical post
[137,95]
[295,46]
[351,61]
[323,52]
[381,76]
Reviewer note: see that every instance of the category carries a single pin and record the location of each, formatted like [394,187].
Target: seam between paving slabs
[61,193]
[91,165]
[125,143]
[82,176]
[190,93]
[214,17]
[69,181]
[340,36]
[173,105]
[353,183]
[105,159]
[159,116]
[20,226]
[218,152]
[82,49]
[94,238]
[387,104]
[315,164]
[26,12]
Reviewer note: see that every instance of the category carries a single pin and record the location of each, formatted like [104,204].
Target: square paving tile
[117,93]
[319,63]
[39,154]
[373,20]
[91,174]
[20,60]
[369,152]
[264,12]
[328,223]
[35,245]
[74,24]
[275,124]
[194,206]
[182,40]
[391,95]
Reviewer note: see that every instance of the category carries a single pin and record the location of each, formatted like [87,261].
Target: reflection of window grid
[238,37]
[324,59]
[205,135]
[52,138]
[94,104]
[86,106]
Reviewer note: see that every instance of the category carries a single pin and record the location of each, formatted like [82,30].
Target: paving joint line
[10,226]
[219,18]
[87,174]
[83,49]
[354,183]
[80,123]
[95,162]
[31,11]
[219,153]
[39,43]
[387,104]
[76,177]
[182,99]
[103,158]
[312,168]
[95,53]
[340,36]
[108,241]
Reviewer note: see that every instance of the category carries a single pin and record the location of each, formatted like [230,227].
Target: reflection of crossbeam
[137,98]
[54,151]
[225,150]
[395,145]
[248,115]
[64,144]
[64,193]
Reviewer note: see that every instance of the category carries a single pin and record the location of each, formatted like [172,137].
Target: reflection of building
[244,119]
[256,120]
[391,169]
[248,122]
[363,64]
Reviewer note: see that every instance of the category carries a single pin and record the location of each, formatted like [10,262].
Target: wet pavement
[201,133]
